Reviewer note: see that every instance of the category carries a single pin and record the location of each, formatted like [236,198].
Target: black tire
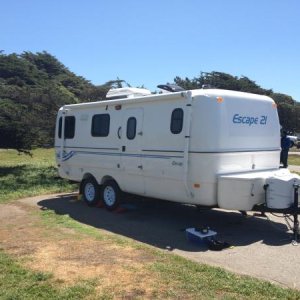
[111,195]
[90,191]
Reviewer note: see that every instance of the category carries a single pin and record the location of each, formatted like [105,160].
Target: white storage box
[280,192]
[241,191]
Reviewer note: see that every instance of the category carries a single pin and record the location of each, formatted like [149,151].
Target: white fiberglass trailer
[206,147]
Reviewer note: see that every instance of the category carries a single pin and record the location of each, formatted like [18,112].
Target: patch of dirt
[73,257]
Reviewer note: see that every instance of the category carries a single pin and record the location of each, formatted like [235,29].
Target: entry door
[131,142]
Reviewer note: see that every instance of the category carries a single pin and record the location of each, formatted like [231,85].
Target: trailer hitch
[293,210]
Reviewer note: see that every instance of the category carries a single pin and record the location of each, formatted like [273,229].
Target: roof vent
[172,88]
[207,86]
[127,92]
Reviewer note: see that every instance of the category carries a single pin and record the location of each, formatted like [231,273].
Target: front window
[69,131]
[100,125]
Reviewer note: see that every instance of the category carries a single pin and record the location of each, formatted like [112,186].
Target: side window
[69,127]
[176,121]
[100,125]
[131,128]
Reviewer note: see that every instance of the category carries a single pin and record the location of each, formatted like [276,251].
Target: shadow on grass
[162,224]
[15,170]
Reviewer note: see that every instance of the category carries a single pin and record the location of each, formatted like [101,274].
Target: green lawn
[18,283]
[294,160]
[22,175]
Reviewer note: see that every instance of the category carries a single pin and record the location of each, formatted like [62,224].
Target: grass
[22,175]
[294,149]
[19,283]
[294,160]
[206,282]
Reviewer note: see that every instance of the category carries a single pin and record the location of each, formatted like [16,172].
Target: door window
[176,121]
[131,128]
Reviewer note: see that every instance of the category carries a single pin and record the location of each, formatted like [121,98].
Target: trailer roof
[169,96]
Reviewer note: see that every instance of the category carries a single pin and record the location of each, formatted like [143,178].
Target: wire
[287,219]
[278,216]
[274,226]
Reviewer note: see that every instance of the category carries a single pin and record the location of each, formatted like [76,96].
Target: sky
[151,42]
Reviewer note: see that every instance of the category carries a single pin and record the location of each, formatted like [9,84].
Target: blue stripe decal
[70,154]
[66,156]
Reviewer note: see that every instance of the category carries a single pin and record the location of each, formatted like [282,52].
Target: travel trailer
[207,147]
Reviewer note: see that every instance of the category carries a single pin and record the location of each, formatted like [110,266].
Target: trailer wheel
[111,195]
[90,191]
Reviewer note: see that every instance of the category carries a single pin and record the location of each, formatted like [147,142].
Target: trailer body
[204,147]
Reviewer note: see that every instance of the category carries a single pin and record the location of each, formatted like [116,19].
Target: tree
[33,86]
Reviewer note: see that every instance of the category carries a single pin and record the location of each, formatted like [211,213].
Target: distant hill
[33,86]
